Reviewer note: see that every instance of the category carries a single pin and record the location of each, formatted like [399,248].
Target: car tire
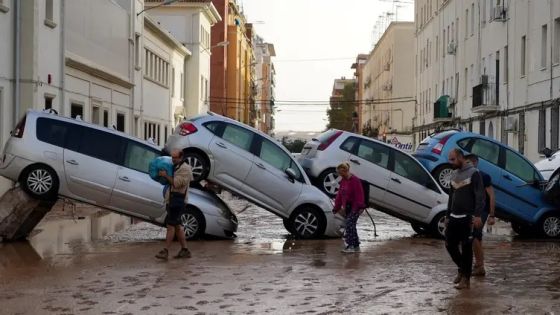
[437,227]
[41,182]
[307,223]
[420,229]
[328,182]
[193,223]
[442,174]
[288,226]
[199,165]
[549,225]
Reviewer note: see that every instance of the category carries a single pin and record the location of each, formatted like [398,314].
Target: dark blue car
[517,183]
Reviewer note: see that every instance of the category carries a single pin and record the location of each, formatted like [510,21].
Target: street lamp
[220,44]
[166,2]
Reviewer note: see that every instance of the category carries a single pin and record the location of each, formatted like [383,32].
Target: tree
[293,145]
[341,109]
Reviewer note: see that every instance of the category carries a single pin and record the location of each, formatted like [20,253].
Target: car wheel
[521,229]
[199,165]
[193,223]
[419,228]
[288,226]
[550,225]
[329,182]
[443,176]
[438,226]
[41,182]
[307,223]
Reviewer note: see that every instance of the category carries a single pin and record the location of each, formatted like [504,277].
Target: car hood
[549,164]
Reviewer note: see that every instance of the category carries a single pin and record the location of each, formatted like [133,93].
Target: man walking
[466,200]
[176,199]
[487,214]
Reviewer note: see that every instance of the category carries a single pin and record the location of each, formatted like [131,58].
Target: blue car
[517,183]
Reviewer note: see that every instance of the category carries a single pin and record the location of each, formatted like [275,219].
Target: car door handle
[221,145]
[73,162]
[124,179]
[396,180]
[355,161]
[260,165]
[507,177]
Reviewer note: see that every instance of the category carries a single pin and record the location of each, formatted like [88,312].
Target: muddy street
[88,262]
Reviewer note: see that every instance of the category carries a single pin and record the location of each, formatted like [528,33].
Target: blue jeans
[351,233]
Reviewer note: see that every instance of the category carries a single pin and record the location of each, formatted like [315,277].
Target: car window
[213,126]
[519,167]
[464,143]
[486,150]
[407,167]
[139,156]
[98,144]
[52,131]
[238,136]
[348,144]
[374,153]
[273,155]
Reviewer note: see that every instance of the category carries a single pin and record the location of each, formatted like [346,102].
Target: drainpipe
[17,67]
[62,57]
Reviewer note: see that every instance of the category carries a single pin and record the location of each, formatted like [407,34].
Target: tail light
[20,128]
[438,148]
[187,128]
[327,143]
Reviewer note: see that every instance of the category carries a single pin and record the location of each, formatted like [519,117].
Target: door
[232,156]
[370,162]
[135,192]
[267,181]
[91,160]
[517,185]
[411,190]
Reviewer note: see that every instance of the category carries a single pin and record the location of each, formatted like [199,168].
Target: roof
[165,35]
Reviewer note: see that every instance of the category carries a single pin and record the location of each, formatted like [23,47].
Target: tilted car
[258,168]
[51,155]
[399,185]
[516,181]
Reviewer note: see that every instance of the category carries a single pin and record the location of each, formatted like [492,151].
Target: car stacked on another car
[51,156]
[399,185]
[518,184]
[258,168]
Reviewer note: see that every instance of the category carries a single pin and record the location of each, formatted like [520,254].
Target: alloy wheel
[196,166]
[444,177]
[306,224]
[331,183]
[441,226]
[39,181]
[190,225]
[551,226]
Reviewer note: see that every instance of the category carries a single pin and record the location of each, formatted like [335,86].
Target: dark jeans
[459,233]
[351,233]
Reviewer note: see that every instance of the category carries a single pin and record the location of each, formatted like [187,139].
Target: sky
[316,41]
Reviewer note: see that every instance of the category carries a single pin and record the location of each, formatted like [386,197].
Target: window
[472,19]
[437,48]
[486,150]
[156,68]
[482,127]
[48,102]
[137,51]
[374,152]
[484,5]
[120,122]
[201,87]
[544,40]
[410,169]
[464,143]
[348,145]
[51,131]
[105,118]
[98,144]
[182,88]
[77,110]
[238,136]
[214,127]
[172,82]
[139,156]
[519,167]
[466,23]
[444,48]
[557,40]
[95,114]
[471,80]
[165,134]
[554,130]
[49,14]
[506,65]
[273,155]
[465,84]
[542,130]
[151,132]
[523,55]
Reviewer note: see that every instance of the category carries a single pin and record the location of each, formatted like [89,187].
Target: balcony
[485,98]
[441,109]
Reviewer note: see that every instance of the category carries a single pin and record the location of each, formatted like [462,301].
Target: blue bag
[161,163]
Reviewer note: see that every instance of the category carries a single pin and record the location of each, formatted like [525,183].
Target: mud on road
[101,264]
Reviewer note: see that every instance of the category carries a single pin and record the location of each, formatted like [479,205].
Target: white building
[190,22]
[265,82]
[490,66]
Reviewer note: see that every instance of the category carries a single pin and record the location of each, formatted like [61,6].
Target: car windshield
[325,136]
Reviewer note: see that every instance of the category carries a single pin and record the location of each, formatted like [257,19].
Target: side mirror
[291,174]
[547,152]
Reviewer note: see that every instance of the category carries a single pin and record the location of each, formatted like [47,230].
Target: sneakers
[465,283]
[163,254]
[479,271]
[351,249]
[458,278]
[184,253]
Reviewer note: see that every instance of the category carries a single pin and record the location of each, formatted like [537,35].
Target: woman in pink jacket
[350,198]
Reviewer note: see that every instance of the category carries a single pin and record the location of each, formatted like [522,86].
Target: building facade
[490,67]
[265,83]
[358,67]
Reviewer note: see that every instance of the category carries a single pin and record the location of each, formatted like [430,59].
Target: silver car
[51,156]
[257,167]
[399,184]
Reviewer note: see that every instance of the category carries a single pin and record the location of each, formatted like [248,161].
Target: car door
[370,162]
[232,155]
[411,190]
[135,192]
[267,181]
[91,162]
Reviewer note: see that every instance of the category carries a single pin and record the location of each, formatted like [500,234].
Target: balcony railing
[485,98]
[441,109]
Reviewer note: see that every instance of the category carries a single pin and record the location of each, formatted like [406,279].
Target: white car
[258,168]
[549,165]
[399,184]
[51,155]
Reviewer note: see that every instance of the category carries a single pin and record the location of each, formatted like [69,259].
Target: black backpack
[365,187]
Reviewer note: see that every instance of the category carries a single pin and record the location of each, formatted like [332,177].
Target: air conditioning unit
[511,124]
[499,13]
[452,48]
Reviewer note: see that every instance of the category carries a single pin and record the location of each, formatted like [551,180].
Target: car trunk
[323,140]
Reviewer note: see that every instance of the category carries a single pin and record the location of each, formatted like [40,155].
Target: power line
[315,59]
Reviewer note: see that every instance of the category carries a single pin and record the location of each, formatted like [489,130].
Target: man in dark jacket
[466,203]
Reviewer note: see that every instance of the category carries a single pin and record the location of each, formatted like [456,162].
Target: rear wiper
[314,139]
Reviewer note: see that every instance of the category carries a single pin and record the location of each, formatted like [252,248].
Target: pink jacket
[350,192]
